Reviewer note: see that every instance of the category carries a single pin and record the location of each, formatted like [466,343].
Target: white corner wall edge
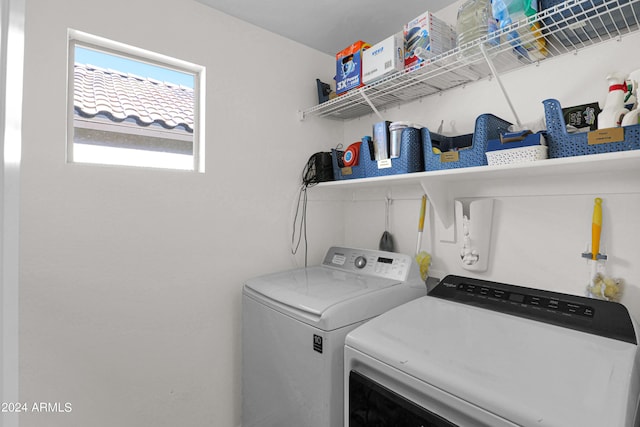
[12,15]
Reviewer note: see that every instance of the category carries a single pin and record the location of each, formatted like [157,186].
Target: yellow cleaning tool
[423,208]
[600,285]
[422,258]
[596,228]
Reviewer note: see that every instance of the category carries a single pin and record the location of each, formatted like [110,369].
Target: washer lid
[351,285]
[313,291]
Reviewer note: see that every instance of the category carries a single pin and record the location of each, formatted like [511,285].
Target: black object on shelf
[324,90]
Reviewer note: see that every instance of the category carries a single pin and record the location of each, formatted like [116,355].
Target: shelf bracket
[504,91]
[442,200]
[373,107]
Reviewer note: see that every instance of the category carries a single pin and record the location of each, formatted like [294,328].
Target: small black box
[323,167]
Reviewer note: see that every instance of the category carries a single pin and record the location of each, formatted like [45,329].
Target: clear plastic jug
[474,20]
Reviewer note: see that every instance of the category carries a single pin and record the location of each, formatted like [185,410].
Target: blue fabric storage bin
[584,20]
[563,144]
[409,161]
[352,172]
[487,127]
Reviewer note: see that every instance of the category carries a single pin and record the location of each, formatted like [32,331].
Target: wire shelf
[565,27]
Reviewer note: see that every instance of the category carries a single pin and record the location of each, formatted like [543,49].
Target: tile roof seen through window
[121,96]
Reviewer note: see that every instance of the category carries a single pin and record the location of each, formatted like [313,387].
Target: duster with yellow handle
[596,228]
[596,231]
[423,208]
[600,285]
[422,258]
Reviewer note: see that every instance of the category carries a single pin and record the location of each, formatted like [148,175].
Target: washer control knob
[360,262]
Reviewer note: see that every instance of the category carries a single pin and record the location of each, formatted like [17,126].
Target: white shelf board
[606,173]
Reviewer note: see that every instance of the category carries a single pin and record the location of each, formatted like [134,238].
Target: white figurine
[614,109]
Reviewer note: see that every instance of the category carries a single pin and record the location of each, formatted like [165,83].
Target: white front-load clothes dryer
[476,353]
[294,325]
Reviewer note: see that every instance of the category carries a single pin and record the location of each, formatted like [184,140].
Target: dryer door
[370,404]
[381,395]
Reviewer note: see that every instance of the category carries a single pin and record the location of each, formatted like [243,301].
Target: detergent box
[383,58]
[349,67]
[426,36]
[582,116]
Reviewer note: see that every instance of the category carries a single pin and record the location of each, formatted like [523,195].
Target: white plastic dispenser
[473,225]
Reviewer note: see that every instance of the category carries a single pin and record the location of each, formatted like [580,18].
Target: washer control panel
[388,265]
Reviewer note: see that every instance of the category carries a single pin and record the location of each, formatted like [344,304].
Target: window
[131,107]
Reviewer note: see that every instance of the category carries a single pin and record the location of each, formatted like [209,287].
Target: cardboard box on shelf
[383,58]
[426,36]
[349,67]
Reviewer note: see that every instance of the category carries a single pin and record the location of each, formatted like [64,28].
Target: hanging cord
[300,230]
[308,180]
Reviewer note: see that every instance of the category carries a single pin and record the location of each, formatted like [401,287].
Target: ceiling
[328,25]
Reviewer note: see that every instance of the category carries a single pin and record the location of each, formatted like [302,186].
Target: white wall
[130,278]
[11,71]
[537,240]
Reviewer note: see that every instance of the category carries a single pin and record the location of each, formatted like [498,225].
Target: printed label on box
[450,156]
[384,164]
[347,171]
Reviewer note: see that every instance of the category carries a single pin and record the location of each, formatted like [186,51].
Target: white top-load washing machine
[293,329]
[485,354]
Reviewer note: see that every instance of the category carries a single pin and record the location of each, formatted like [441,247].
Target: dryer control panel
[604,318]
[389,265]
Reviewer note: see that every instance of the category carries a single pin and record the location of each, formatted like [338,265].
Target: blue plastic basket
[351,172]
[409,161]
[563,144]
[487,127]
